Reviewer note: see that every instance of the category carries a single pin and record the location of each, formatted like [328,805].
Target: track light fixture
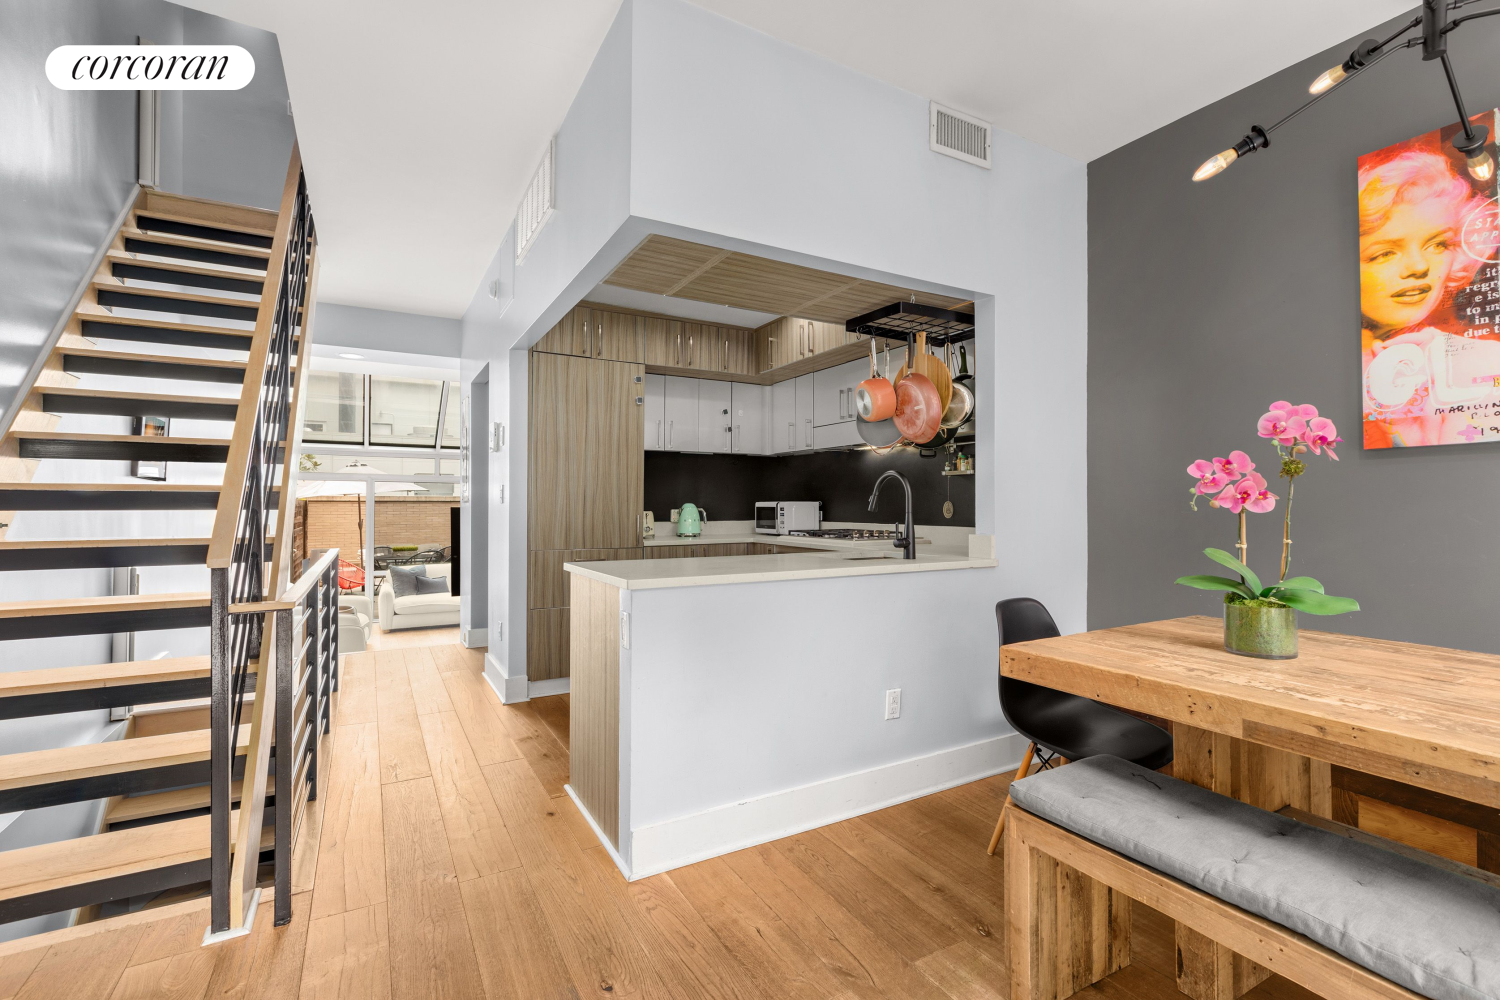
[1436,23]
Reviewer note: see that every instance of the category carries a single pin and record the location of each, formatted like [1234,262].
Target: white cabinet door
[783,418]
[656,413]
[804,390]
[713,416]
[681,413]
[833,392]
[748,403]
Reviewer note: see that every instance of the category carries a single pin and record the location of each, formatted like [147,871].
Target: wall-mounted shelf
[954,472]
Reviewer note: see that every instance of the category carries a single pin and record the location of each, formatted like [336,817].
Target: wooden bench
[1053,917]
[1248,880]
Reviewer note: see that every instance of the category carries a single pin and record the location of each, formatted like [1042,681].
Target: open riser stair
[186,350]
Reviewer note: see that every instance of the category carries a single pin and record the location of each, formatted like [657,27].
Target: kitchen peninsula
[725,701]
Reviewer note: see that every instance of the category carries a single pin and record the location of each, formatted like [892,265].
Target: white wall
[737,140]
[355,328]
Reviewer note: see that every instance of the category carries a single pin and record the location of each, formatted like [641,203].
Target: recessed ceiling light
[352,357]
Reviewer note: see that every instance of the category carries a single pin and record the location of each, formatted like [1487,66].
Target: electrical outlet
[893,704]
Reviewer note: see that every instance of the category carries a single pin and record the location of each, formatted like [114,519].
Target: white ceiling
[421,123]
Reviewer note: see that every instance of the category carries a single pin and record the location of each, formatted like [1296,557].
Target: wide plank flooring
[444,859]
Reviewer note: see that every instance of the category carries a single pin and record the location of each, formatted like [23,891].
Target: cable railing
[269,698]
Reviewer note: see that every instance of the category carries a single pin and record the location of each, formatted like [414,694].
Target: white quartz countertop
[799,541]
[651,574]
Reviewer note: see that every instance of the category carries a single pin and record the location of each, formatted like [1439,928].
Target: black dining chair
[1061,726]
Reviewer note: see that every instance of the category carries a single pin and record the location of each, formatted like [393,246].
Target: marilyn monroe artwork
[1430,305]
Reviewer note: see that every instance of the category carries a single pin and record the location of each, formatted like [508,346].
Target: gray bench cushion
[1430,930]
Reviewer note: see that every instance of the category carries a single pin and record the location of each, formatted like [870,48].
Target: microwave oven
[777,517]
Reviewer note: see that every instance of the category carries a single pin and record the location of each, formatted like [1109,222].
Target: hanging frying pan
[919,410]
[875,398]
[881,433]
[922,363]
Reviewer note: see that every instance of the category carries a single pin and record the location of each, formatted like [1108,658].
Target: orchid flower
[1236,465]
[1320,434]
[1249,494]
[1283,422]
[1210,479]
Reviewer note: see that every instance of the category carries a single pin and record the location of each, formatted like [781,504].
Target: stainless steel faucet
[907,542]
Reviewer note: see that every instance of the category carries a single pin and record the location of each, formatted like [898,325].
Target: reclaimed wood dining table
[1267,732]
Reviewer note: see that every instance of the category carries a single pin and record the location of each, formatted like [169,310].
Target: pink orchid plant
[1237,487]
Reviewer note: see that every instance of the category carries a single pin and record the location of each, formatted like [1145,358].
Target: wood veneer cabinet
[796,343]
[590,332]
[585,484]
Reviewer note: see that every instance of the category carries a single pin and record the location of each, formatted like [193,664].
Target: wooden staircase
[182,320]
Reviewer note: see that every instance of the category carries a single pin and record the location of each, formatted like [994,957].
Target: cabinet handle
[739,432]
[679,350]
[791,429]
[659,441]
[726,354]
[669,433]
[809,434]
[692,354]
[588,336]
[599,329]
[802,340]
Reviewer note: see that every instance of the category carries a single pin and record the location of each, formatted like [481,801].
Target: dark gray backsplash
[729,486]
[1209,301]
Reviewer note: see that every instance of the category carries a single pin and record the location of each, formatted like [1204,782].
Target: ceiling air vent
[958,135]
[538,202]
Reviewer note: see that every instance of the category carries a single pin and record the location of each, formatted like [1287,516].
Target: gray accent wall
[1209,301]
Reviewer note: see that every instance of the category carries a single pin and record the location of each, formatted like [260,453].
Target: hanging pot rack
[904,320]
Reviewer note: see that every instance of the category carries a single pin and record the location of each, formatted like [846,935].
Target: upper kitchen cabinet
[802,345]
[750,405]
[589,332]
[714,419]
[703,348]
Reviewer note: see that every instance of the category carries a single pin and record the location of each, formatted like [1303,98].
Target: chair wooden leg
[1020,773]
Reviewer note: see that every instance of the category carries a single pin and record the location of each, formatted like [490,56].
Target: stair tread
[88,760]
[169,359]
[184,266]
[154,198]
[133,807]
[145,439]
[29,870]
[195,242]
[112,487]
[31,682]
[150,397]
[111,285]
[198,220]
[110,319]
[84,543]
[98,605]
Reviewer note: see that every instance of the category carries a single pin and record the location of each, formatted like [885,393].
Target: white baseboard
[542,689]
[603,840]
[682,841]
[474,638]
[510,689]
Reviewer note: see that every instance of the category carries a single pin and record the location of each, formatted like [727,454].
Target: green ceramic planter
[1269,633]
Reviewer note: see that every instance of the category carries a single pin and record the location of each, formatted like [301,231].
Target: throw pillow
[432,584]
[404,581]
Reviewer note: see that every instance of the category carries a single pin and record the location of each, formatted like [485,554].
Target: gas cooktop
[849,534]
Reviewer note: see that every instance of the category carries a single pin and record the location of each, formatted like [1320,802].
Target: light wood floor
[444,860]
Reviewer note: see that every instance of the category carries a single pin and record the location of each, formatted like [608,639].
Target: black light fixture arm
[1433,39]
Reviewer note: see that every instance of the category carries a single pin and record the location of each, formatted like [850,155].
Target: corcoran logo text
[150,67]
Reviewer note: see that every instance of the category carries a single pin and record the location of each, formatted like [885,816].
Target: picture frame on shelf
[150,427]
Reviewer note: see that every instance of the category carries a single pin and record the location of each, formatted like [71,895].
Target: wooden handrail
[237,465]
[294,593]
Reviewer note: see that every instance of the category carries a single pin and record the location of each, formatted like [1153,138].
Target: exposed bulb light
[1472,145]
[1328,80]
[1215,165]
[1482,167]
[352,357]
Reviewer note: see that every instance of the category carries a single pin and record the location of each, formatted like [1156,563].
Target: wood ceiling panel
[688,270]
[661,263]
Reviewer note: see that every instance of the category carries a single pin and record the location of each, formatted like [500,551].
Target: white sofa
[419,610]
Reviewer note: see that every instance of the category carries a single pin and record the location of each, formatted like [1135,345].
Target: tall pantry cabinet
[586,473]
